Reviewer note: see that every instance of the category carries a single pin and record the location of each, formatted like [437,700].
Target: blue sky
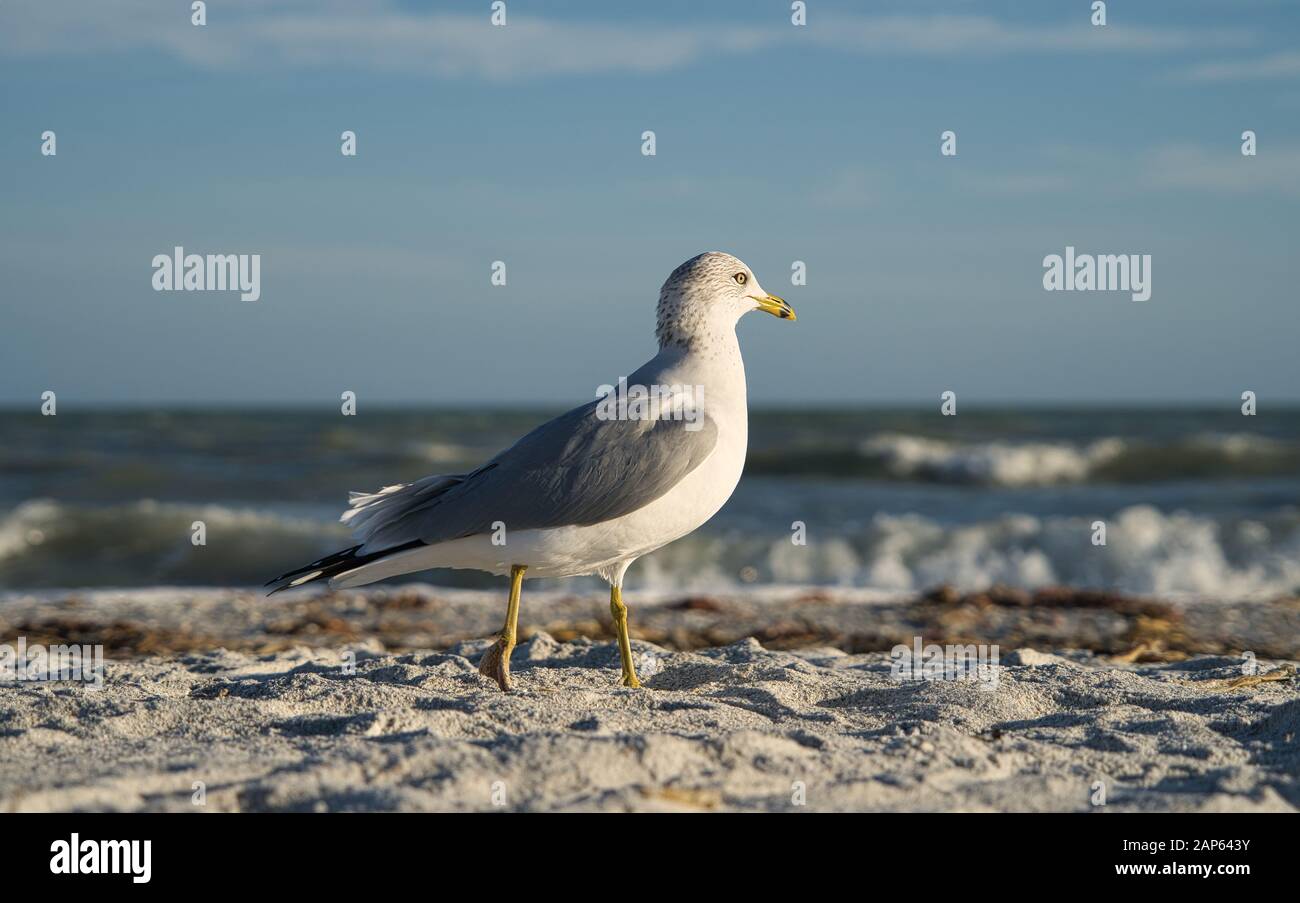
[522,144]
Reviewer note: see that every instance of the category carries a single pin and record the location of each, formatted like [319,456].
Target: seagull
[594,489]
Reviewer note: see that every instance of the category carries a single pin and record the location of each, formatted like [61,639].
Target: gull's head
[711,292]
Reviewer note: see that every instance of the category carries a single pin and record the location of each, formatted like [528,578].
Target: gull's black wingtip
[323,569]
[278,585]
[331,566]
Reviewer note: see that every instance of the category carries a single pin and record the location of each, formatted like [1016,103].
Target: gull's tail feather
[375,516]
[371,515]
[331,566]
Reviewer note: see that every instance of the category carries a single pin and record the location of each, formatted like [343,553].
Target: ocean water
[1203,502]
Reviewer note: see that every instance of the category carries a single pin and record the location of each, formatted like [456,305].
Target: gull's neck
[698,345]
[712,361]
[699,326]
[715,346]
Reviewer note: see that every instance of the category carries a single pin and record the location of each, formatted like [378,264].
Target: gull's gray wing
[577,469]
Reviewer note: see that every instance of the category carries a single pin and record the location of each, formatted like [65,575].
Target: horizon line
[782,406]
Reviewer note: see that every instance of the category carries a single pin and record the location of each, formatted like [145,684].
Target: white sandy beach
[739,727]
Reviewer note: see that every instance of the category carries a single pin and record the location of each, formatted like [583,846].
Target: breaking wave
[1147,551]
[44,543]
[901,457]
[49,544]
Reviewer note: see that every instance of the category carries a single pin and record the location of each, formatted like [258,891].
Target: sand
[281,722]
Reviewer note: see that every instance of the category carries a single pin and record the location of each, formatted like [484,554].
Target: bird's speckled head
[708,293]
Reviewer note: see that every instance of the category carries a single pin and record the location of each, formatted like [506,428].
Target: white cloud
[1184,168]
[1277,65]
[366,34]
[982,35]
[1275,170]
[381,35]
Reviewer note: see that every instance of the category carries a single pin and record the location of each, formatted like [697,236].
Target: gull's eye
[740,278]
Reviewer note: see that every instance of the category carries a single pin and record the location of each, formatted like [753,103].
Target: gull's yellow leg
[496,663]
[619,612]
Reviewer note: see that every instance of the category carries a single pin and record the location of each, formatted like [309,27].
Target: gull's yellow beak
[777,307]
